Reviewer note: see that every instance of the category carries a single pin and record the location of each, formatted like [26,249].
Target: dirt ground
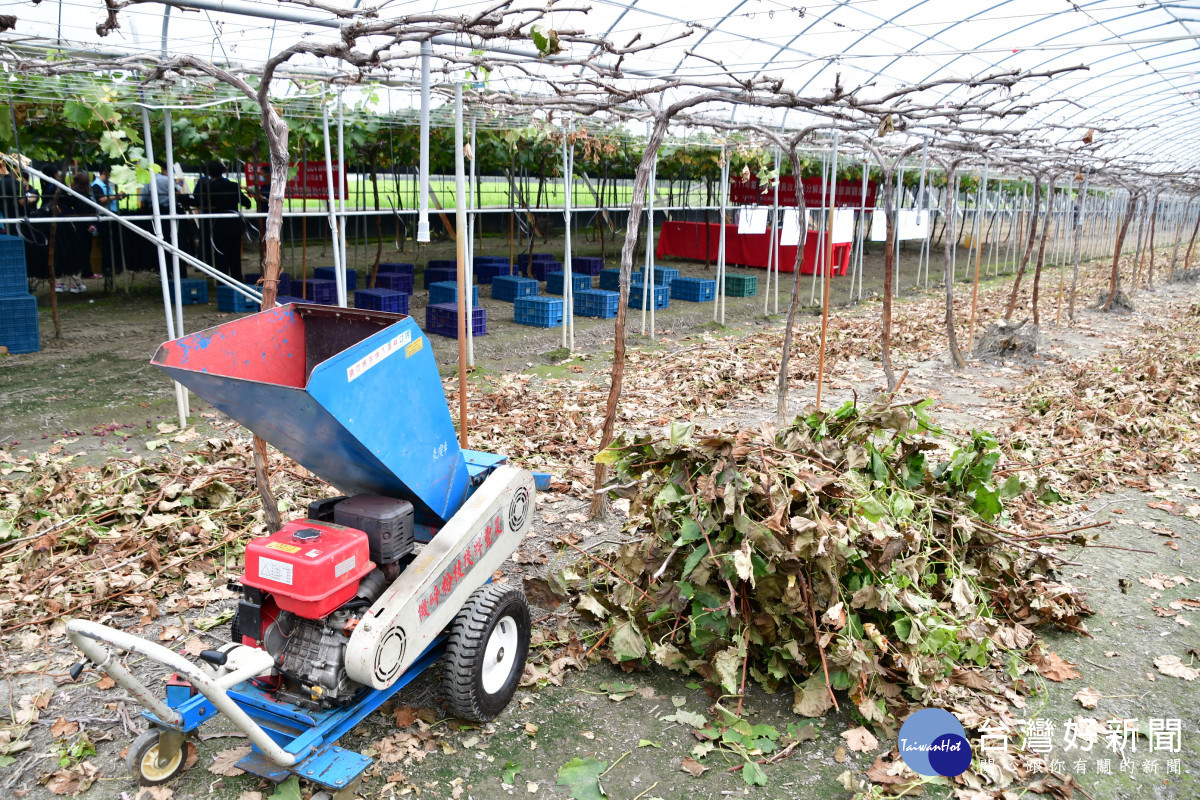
[99,377]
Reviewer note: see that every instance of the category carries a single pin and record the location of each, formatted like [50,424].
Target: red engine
[310,568]
[306,587]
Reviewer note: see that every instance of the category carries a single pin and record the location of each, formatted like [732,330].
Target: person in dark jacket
[219,195]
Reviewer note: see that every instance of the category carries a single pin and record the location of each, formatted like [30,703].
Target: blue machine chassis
[309,735]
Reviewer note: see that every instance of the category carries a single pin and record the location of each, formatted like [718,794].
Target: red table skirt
[687,240]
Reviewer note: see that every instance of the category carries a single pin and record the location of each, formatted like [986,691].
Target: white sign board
[790,235]
[912,223]
[752,220]
[843,226]
[878,226]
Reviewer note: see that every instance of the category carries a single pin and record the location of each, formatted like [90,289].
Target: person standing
[107,195]
[224,196]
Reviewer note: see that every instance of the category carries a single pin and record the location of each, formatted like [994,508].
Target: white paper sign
[913,223]
[752,220]
[843,226]
[878,226]
[790,235]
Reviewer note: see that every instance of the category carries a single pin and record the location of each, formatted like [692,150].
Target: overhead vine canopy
[1138,91]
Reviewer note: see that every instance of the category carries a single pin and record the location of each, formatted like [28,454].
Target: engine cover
[310,568]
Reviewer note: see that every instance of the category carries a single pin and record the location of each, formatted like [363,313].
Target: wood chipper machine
[339,611]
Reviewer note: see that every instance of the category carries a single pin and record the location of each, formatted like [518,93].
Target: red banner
[309,183]
[752,193]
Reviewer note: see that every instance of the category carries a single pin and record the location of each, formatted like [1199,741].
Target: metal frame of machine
[355,397]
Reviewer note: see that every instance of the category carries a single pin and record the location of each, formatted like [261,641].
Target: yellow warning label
[415,347]
[287,548]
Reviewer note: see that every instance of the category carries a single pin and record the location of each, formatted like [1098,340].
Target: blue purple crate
[486,273]
[397,267]
[610,279]
[442,263]
[596,303]
[19,324]
[694,290]
[442,319]
[579,283]
[538,270]
[587,265]
[233,301]
[396,281]
[438,275]
[192,291]
[382,300]
[447,292]
[14,280]
[511,287]
[661,296]
[317,290]
[539,312]
[330,274]
[284,299]
[664,275]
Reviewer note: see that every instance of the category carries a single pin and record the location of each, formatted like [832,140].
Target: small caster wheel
[235,628]
[322,795]
[485,652]
[144,762]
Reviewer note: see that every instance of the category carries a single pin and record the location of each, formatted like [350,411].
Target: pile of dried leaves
[853,551]
[79,539]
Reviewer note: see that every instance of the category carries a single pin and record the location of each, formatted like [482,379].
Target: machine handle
[90,637]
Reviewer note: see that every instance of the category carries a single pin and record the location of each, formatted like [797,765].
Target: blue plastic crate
[228,299]
[252,279]
[510,287]
[447,292]
[193,291]
[579,283]
[397,267]
[525,258]
[487,272]
[695,290]
[381,300]
[442,263]
[661,296]
[316,290]
[19,324]
[14,280]
[396,281]
[538,270]
[284,299]
[596,303]
[435,275]
[664,275]
[610,279]
[330,274]
[477,260]
[540,312]
[587,265]
[442,319]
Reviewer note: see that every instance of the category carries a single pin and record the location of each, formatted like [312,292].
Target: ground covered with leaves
[858,562]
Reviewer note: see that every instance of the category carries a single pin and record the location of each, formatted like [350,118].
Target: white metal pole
[819,252]
[568,283]
[648,270]
[471,252]
[423,191]
[180,402]
[773,243]
[169,146]
[338,265]
[341,187]
[719,300]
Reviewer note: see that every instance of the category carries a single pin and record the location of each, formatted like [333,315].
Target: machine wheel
[235,627]
[485,652]
[143,760]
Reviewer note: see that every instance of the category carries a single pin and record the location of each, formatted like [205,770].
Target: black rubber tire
[235,627]
[462,665]
[140,751]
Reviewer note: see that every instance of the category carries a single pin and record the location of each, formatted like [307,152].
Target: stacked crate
[510,287]
[252,279]
[610,279]
[695,290]
[316,290]
[439,275]
[596,303]
[664,275]
[396,267]
[381,300]
[447,292]
[487,271]
[442,319]
[231,300]
[540,312]
[18,308]
[330,274]
[587,265]
[579,283]
[538,270]
[396,281]
[740,285]
[192,291]
[660,296]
